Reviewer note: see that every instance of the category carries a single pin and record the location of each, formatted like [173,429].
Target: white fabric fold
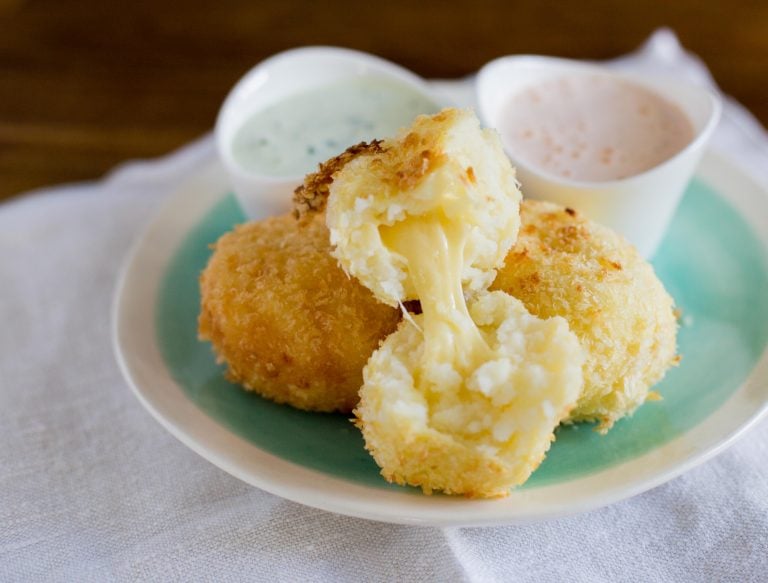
[93,489]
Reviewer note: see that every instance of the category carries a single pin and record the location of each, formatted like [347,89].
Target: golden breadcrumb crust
[406,166]
[565,265]
[312,195]
[286,319]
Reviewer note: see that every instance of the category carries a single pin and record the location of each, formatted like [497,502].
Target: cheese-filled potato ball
[566,265]
[482,434]
[286,320]
[444,168]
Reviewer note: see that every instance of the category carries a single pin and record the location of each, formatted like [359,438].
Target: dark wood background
[86,84]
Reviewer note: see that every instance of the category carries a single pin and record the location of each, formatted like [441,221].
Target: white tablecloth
[93,489]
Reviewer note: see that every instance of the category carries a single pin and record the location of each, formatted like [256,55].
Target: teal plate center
[711,263]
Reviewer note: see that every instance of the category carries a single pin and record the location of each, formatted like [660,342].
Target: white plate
[146,370]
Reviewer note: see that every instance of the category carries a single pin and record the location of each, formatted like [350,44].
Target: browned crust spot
[609,264]
[471,175]
[311,197]
[401,162]
[415,168]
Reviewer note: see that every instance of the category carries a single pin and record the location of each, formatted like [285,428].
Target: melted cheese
[433,247]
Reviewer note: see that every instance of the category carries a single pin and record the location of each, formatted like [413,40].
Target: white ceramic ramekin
[640,207]
[276,78]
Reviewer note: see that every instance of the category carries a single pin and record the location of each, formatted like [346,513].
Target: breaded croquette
[286,319]
[462,398]
[566,265]
[482,434]
[443,166]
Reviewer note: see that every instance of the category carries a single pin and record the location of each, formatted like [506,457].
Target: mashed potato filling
[464,397]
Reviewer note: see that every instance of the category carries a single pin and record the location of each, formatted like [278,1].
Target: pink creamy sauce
[593,127]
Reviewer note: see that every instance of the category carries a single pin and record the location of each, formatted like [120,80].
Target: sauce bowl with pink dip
[619,148]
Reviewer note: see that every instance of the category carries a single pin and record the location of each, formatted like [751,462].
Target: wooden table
[86,84]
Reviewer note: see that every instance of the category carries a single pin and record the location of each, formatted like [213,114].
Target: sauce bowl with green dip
[304,106]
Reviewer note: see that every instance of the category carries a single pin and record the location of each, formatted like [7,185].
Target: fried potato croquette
[478,435]
[443,167]
[286,319]
[460,399]
[565,265]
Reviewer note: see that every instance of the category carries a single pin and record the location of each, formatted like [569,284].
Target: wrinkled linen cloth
[92,488]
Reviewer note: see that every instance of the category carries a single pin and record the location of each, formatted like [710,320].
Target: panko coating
[446,153]
[479,436]
[286,319]
[462,399]
[565,265]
